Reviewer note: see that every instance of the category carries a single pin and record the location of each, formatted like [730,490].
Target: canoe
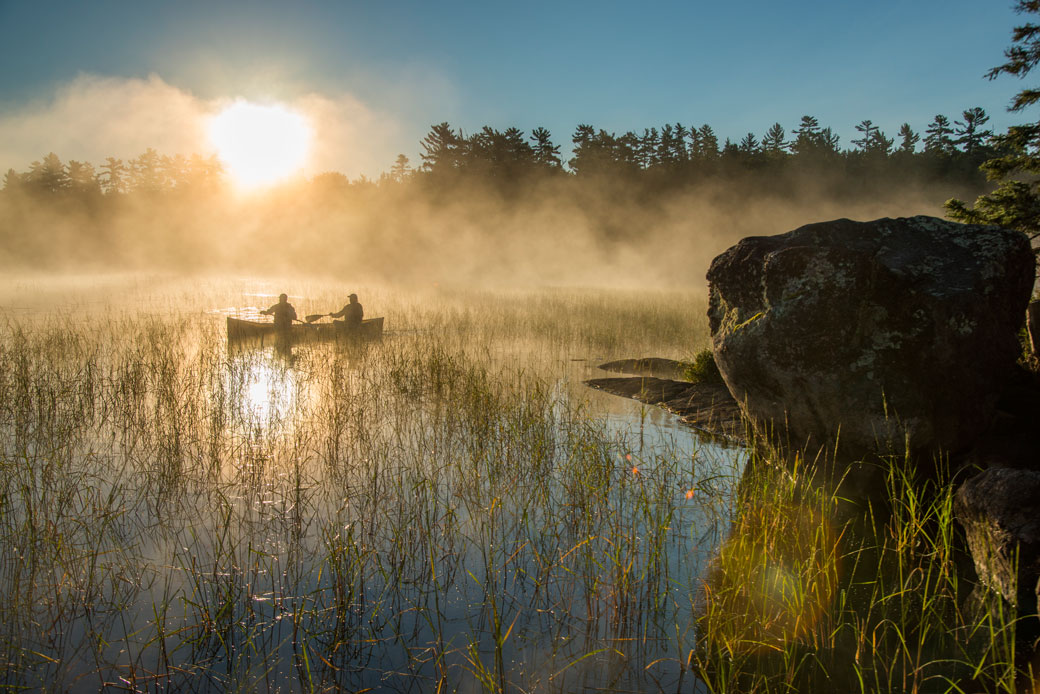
[370,329]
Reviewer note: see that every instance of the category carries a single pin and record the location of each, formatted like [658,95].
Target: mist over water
[373,503]
[557,232]
[484,209]
[445,501]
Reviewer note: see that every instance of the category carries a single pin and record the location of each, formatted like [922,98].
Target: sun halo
[260,144]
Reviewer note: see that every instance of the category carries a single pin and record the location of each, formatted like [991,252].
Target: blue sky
[399,67]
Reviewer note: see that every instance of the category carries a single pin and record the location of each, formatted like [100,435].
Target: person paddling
[352,313]
[283,312]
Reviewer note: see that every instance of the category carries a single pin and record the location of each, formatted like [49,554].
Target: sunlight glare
[260,144]
[269,391]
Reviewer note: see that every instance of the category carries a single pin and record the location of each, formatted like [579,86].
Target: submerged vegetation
[443,510]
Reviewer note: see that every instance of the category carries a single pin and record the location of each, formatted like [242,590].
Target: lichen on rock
[895,333]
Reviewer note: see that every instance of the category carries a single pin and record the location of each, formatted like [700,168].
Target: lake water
[450,504]
[650,446]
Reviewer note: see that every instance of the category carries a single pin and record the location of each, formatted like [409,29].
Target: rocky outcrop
[1000,512]
[656,367]
[706,407]
[875,334]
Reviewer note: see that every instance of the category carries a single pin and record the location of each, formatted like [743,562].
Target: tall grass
[859,584]
[441,510]
[445,510]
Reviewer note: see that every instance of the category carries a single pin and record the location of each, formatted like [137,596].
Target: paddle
[315,316]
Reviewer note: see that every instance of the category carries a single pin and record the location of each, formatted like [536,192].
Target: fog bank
[557,231]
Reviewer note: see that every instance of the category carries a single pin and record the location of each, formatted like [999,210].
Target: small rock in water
[647,366]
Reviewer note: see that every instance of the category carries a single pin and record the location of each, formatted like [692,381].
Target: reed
[442,507]
[446,510]
[830,586]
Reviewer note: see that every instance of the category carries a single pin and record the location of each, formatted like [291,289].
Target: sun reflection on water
[269,387]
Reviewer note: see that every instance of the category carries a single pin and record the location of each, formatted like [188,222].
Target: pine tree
[908,139]
[806,136]
[442,149]
[749,144]
[546,154]
[709,149]
[872,141]
[938,138]
[867,128]
[626,150]
[694,148]
[400,170]
[648,145]
[203,173]
[504,155]
[82,178]
[174,170]
[48,175]
[517,150]
[970,135]
[113,176]
[829,141]
[1015,203]
[147,172]
[680,154]
[773,141]
[13,181]
[583,140]
[666,148]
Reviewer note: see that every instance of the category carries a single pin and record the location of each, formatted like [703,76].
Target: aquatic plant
[448,509]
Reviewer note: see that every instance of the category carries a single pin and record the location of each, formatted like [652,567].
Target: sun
[260,144]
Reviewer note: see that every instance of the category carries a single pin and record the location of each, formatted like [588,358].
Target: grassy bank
[859,584]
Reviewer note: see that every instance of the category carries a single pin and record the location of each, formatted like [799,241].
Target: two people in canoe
[283,312]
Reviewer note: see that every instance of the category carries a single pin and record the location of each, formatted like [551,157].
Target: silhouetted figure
[283,312]
[352,313]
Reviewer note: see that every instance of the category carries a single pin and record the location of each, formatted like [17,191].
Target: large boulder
[875,334]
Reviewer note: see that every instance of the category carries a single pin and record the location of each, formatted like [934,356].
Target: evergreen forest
[616,201]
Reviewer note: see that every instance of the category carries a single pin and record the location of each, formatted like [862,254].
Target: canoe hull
[370,329]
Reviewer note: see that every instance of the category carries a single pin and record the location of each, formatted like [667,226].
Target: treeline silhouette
[150,172]
[672,155]
[677,155]
[490,199]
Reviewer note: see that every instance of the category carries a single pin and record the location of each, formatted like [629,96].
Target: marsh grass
[438,511]
[849,585]
[446,510]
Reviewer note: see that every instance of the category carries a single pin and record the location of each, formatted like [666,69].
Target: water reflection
[271,387]
[266,384]
[179,514]
[639,520]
